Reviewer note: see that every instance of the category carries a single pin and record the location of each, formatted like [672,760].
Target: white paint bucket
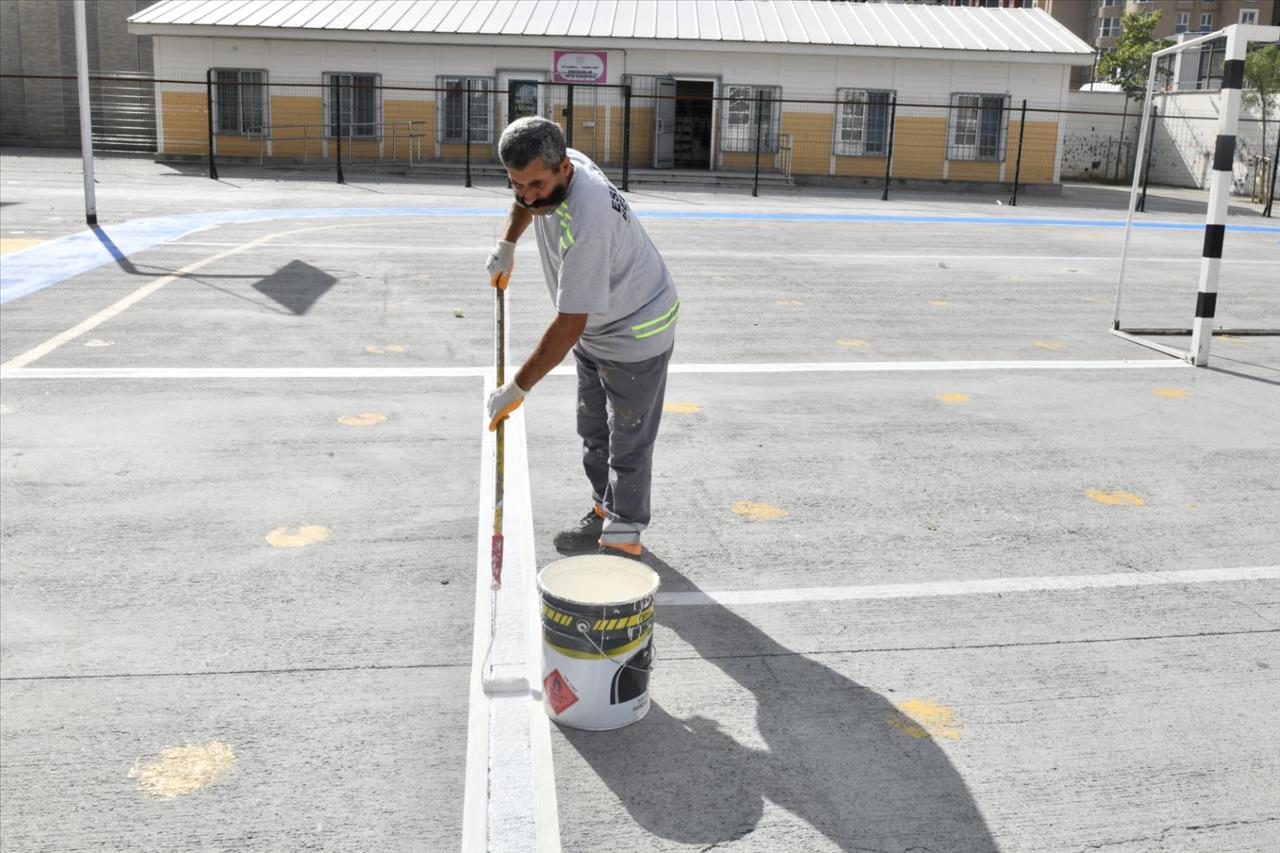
[597,640]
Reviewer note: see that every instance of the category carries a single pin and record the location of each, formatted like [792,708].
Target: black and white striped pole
[1215,227]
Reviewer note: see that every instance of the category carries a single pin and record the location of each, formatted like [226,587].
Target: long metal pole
[1146,169]
[466,136]
[755,183]
[888,156]
[1017,169]
[1133,192]
[1275,167]
[208,103]
[86,116]
[568,131]
[626,137]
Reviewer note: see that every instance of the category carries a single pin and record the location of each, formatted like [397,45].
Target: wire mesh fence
[647,131]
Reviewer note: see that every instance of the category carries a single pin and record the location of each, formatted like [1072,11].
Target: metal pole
[466,135]
[755,183]
[86,116]
[338,133]
[888,157]
[208,97]
[1146,168]
[1133,192]
[626,137]
[1017,169]
[568,133]
[1275,167]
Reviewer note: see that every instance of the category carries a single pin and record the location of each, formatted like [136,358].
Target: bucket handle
[585,631]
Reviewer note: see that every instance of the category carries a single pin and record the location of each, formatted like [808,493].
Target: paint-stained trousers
[619,411]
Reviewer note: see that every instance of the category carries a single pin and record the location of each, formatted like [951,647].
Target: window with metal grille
[862,122]
[739,124]
[239,102]
[453,109]
[352,105]
[977,127]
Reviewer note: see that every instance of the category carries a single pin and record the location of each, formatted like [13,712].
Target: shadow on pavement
[833,759]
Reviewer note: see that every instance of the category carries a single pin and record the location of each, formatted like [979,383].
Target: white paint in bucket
[597,640]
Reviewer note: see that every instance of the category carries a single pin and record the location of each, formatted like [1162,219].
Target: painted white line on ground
[991,586]
[510,799]
[854,257]
[452,372]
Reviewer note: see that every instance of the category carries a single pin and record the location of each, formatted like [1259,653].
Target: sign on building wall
[580,66]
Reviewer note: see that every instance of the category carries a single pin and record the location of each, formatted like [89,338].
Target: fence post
[755,183]
[466,135]
[1017,169]
[338,135]
[1275,167]
[1146,166]
[626,137]
[208,98]
[568,118]
[888,156]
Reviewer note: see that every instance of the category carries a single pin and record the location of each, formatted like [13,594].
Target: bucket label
[558,691]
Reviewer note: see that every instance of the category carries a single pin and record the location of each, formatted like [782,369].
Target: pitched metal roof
[725,24]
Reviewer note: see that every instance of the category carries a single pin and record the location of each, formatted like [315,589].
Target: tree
[1262,85]
[1129,64]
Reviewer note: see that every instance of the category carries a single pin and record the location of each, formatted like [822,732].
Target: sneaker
[584,536]
[630,550]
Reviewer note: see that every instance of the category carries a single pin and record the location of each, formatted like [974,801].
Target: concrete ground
[945,565]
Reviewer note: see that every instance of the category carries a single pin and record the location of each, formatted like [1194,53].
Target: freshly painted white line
[510,798]
[451,372]
[991,586]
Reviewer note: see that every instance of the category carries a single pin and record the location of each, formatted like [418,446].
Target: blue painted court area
[34,269]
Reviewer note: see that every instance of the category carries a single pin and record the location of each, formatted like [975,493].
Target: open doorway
[693,124]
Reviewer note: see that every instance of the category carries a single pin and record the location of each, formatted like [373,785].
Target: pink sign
[580,66]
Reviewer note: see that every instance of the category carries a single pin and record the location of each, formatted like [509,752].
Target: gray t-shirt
[599,261]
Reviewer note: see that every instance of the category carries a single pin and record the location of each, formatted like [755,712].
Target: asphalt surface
[237,613]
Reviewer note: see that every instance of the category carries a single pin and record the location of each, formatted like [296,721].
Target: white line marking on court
[509,802]
[991,586]
[146,290]
[7,372]
[703,253]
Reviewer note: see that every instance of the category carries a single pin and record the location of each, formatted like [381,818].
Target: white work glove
[501,261]
[503,401]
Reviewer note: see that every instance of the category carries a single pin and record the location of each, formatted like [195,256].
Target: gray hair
[526,139]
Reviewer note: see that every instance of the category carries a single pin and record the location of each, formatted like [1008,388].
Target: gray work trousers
[619,411]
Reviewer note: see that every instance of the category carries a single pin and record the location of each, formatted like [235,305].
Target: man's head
[533,151]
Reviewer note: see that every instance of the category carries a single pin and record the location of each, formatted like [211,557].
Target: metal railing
[322,134]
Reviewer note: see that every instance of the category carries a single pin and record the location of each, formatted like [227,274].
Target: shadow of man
[834,759]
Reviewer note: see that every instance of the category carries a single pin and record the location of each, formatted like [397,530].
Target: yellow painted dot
[788,302]
[1050,345]
[758,511]
[1170,392]
[1114,497]
[362,419]
[924,718]
[939,303]
[953,397]
[183,770]
[682,408]
[851,342]
[377,350]
[297,537]
[15,244]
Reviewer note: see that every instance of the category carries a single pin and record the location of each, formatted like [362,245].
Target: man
[616,309]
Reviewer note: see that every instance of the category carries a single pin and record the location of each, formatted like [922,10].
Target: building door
[693,123]
[664,121]
[524,92]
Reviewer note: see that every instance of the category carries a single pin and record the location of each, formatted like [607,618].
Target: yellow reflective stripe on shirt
[666,319]
[565,218]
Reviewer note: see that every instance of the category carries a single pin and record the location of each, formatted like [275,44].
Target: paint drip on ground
[1115,497]
[297,537]
[924,718]
[758,511]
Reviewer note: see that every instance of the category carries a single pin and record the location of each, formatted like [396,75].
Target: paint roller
[489,682]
